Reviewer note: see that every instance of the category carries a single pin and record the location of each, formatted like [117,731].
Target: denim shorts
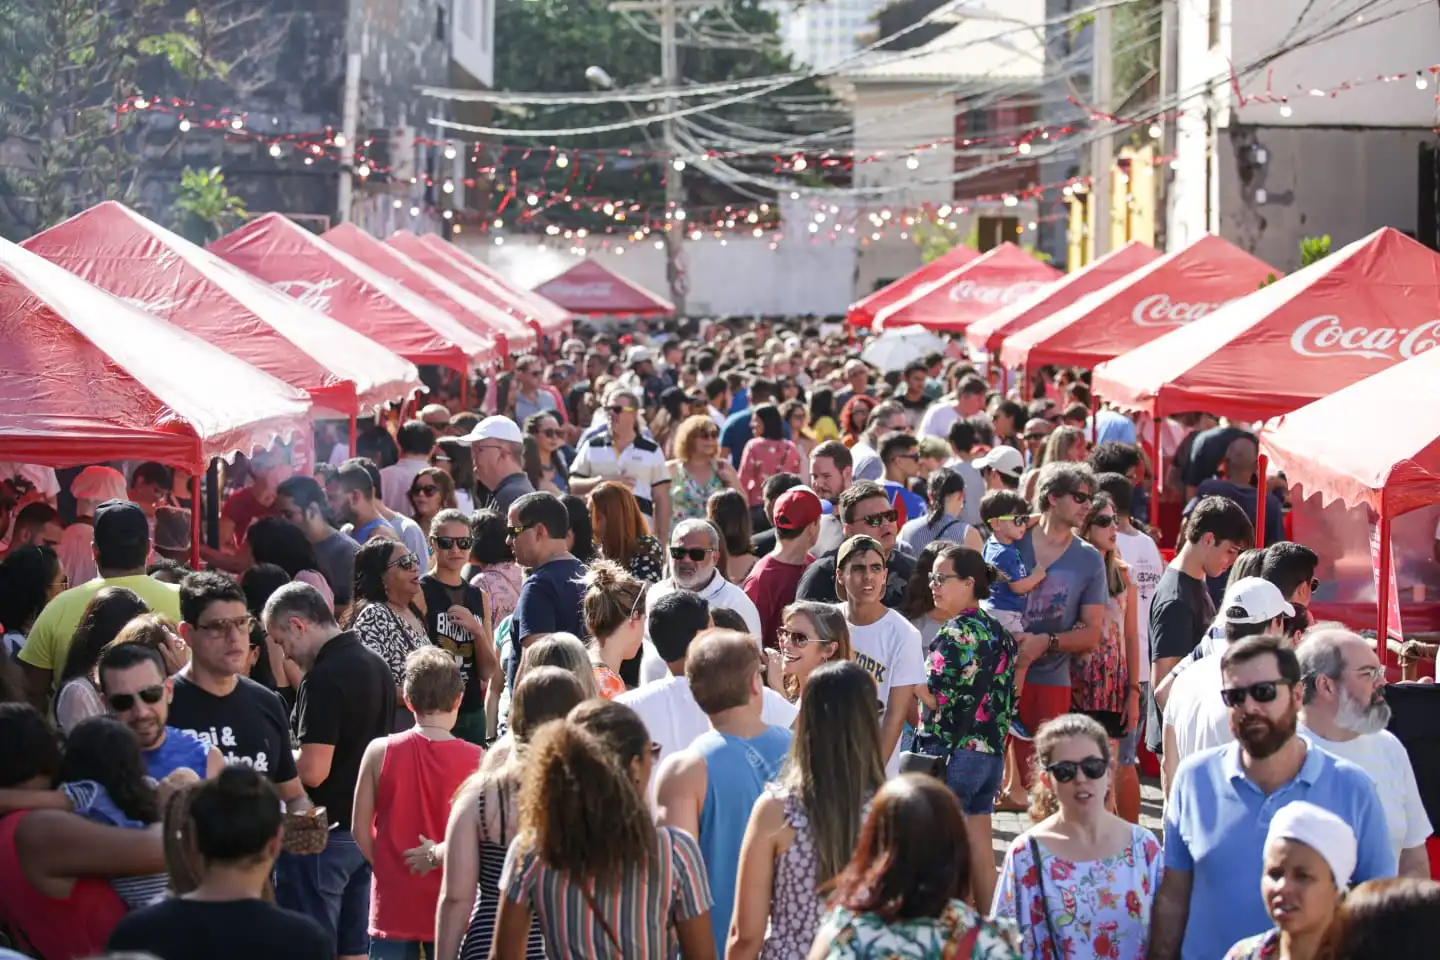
[975,779]
[400,950]
[1129,745]
[332,888]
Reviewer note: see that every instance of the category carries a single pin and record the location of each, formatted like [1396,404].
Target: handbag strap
[1044,897]
[595,909]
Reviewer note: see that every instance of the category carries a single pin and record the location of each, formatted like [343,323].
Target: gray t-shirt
[336,554]
[974,491]
[544,403]
[512,488]
[1076,579]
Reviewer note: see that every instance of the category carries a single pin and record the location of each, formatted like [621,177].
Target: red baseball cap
[797,508]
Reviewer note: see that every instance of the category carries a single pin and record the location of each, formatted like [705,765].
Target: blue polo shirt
[1215,827]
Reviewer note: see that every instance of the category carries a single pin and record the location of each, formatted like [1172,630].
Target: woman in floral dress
[698,470]
[1082,881]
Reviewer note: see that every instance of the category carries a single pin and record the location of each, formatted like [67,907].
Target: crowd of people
[698,642]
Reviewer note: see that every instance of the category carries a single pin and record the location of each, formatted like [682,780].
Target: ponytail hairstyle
[1043,802]
[611,596]
[942,483]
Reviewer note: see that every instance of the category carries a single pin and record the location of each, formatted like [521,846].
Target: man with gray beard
[1344,713]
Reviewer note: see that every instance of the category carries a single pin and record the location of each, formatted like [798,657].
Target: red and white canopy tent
[296,262]
[1170,291]
[862,312]
[592,289]
[139,261]
[989,333]
[555,320]
[970,293]
[510,334]
[86,377]
[472,283]
[1359,311]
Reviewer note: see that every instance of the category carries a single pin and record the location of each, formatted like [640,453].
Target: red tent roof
[481,316]
[862,312]
[526,320]
[1175,289]
[987,334]
[295,261]
[1358,311]
[553,317]
[141,262]
[968,293]
[592,288]
[1350,447]
[86,377]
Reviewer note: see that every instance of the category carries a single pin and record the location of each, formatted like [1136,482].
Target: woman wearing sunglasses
[431,491]
[810,635]
[384,617]
[614,608]
[1105,683]
[1097,874]
[543,460]
[458,618]
[453,457]
[698,470]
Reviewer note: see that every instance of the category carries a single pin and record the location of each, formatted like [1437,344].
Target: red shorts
[1038,704]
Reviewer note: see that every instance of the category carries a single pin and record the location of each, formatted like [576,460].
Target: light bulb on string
[1285,110]
[562,161]
[1024,149]
[533,200]
[448,214]
[499,241]
[448,187]
[339,139]
[398,203]
[275,150]
[799,164]
[1420,82]
[237,123]
[659,244]
[362,171]
[414,211]
[141,103]
[912,162]
[678,165]
[184,125]
[449,152]
[497,223]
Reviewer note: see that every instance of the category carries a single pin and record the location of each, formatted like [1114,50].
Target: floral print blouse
[1098,908]
[688,497]
[865,936]
[1262,946]
[972,646]
[648,561]
[760,461]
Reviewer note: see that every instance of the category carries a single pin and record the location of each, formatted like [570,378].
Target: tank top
[481,931]
[794,900]
[76,926]
[737,770]
[418,777]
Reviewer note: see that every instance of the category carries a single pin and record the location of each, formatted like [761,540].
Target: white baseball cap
[638,355]
[1254,600]
[1005,459]
[494,428]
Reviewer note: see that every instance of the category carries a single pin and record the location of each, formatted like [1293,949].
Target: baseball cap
[854,545]
[120,523]
[494,428]
[797,508]
[1006,460]
[638,355]
[1254,600]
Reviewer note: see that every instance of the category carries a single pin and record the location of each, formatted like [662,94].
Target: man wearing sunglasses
[621,453]
[1221,803]
[864,508]
[137,691]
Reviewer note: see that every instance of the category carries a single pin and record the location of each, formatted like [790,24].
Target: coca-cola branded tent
[592,289]
[862,312]
[1169,292]
[472,283]
[142,263]
[554,319]
[474,312]
[989,333]
[969,293]
[298,263]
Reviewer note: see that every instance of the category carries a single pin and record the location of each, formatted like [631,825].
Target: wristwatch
[1054,645]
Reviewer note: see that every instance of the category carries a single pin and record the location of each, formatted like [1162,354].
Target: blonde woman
[698,470]
[811,635]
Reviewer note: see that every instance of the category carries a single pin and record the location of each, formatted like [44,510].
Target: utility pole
[1102,148]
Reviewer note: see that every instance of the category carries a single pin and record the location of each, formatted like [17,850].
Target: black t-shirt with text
[450,636]
[248,726]
[1180,612]
[345,701]
[180,929]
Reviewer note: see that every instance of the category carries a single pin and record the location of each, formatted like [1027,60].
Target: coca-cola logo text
[969,290]
[1327,337]
[1160,311]
[313,294]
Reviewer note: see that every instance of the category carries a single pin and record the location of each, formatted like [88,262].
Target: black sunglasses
[1081,498]
[513,533]
[552,432]
[617,409]
[1104,520]
[428,490]
[880,519]
[408,562]
[449,543]
[1263,692]
[120,702]
[694,553]
[1064,770]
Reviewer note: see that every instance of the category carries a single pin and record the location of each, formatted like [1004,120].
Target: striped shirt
[640,912]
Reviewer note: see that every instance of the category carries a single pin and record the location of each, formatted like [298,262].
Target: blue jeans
[974,778]
[332,888]
[400,949]
[1130,743]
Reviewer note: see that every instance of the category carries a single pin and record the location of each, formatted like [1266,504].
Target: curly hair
[104,750]
[847,417]
[1043,802]
[687,433]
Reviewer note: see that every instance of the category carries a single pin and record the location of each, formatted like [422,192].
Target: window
[1215,23]
[440,33]
[997,230]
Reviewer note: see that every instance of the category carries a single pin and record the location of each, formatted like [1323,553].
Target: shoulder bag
[1044,897]
[935,764]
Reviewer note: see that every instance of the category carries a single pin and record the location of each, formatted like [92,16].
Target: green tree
[936,238]
[204,207]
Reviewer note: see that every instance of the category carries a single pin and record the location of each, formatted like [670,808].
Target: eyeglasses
[513,533]
[879,519]
[937,579]
[552,432]
[241,625]
[708,434]
[637,609]
[1263,692]
[1104,520]
[1064,770]
[450,543]
[408,562]
[618,409]
[794,638]
[912,455]
[1035,437]
[121,702]
[428,490]
[1081,498]
[655,750]
[694,553]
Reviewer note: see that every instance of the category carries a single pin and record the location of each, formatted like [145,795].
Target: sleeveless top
[1100,679]
[77,926]
[795,902]
[737,770]
[418,776]
[476,943]
[687,498]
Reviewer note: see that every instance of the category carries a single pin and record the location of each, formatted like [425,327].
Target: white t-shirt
[1383,756]
[939,419]
[395,481]
[719,592]
[891,651]
[1196,712]
[1143,558]
[674,719]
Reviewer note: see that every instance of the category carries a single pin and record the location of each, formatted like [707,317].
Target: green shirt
[48,644]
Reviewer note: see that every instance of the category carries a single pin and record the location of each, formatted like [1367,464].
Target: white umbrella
[893,349]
